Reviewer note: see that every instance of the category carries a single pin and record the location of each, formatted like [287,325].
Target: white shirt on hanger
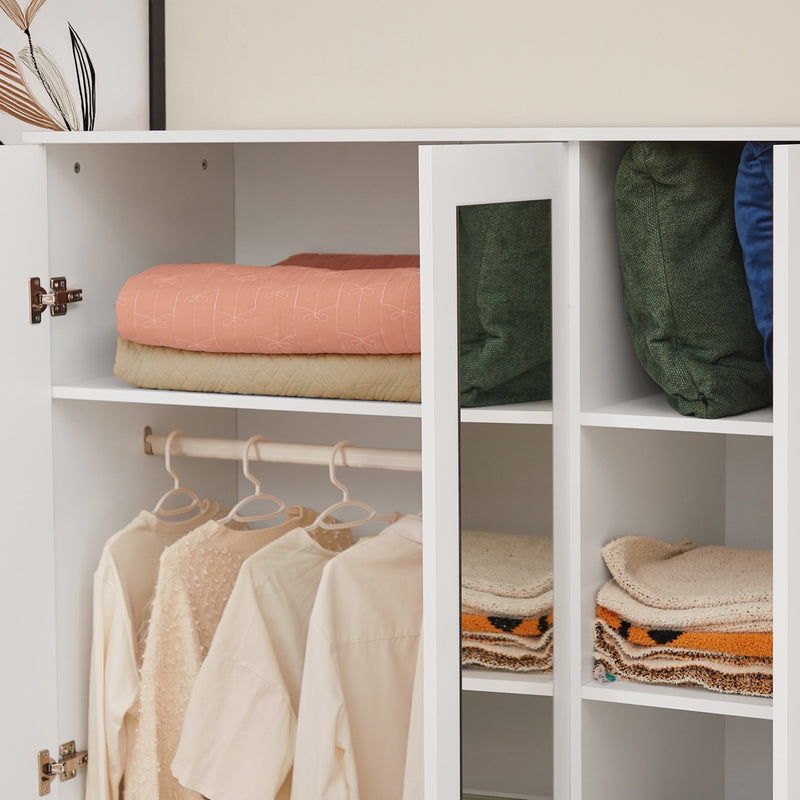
[123,586]
[361,658]
[237,740]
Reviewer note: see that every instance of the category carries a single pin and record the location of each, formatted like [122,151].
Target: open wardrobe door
[453,177]
[27,574]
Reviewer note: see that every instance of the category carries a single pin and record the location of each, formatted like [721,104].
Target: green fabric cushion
[685,290]
[504,255]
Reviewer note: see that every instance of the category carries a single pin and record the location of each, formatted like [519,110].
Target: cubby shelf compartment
[681,698]
[113,390]
[474,679]
[538,413]
[653,412]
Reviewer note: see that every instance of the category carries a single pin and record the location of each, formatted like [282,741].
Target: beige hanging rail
[285,452]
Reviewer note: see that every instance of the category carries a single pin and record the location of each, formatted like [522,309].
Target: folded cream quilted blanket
[282,309]
[357,377]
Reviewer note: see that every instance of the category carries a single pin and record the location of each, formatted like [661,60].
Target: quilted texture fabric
[233,308]
[753,210]
[505,331]
[355,377]
[686,296]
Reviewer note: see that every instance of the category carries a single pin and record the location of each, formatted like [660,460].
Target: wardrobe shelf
[475,679]
[417,135]
[537,413]
[114,390]
[469,793]
[653,412]
[682,698]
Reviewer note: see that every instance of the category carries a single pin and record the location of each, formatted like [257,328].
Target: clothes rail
[285,452]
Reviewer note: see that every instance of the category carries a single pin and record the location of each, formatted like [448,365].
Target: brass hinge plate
[67,766]
[56,299]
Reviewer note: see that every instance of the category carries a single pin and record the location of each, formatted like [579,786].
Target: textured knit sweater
[195,579]
[123,587]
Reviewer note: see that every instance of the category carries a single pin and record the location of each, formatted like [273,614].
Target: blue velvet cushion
[753,213]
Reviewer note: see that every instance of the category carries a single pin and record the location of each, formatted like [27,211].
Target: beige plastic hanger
[346,501]
[234,514]
[177,489]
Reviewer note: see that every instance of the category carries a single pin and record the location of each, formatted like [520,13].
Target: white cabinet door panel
[452,176]
[28,672]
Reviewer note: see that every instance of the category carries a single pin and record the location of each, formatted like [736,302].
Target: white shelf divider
[653,412]
[114,390]
[474,679]
[472,793]
[681,698]
[538,413]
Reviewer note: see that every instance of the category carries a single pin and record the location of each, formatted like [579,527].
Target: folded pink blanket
[231,308]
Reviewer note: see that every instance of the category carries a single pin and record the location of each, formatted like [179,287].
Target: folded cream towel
[475,602]
[685,576]
[506,565]
[730,618]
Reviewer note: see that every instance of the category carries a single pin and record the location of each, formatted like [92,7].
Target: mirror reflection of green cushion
[505,331]
[685,290]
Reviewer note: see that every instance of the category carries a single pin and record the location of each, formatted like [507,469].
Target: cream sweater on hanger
[195,579]
[123,587]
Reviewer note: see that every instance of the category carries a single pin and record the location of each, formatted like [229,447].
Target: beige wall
[418,63]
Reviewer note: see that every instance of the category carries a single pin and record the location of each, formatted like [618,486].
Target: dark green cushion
[685,290]
[504,255]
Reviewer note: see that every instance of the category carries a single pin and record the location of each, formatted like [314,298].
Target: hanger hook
[246,461]
[338,447]
[168,456]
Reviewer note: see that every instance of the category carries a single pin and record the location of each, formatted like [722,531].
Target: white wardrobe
[607,456]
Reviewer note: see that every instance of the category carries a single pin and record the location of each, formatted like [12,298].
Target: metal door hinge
[57,298]
[67,766]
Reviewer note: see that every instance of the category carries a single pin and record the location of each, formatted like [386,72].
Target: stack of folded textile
[507,601]
[686,615]
[314,325]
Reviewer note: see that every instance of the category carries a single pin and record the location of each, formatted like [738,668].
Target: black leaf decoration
[86,79]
